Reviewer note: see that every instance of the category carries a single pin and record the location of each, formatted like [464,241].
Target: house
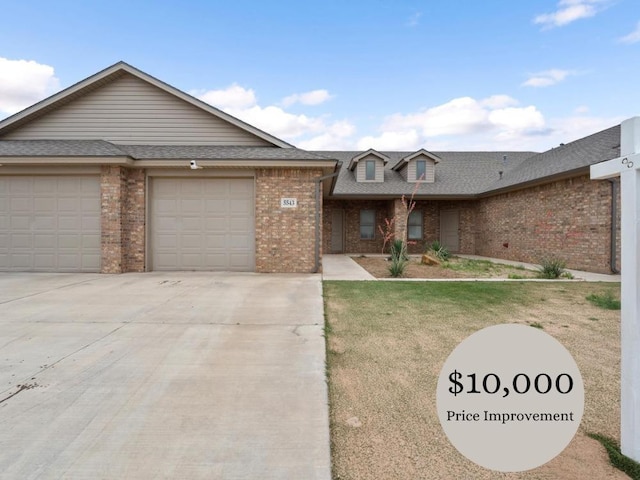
[521,206]
[122,172]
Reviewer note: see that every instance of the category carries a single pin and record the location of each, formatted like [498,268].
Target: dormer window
[419,166]
[370,170]
[369,166]
[421,169]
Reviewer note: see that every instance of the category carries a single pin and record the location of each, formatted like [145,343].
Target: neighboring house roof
[109,74]
[469,174]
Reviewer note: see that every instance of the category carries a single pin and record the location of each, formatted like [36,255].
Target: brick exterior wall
[122,219]
[352,241]
[385,210]
[285,237]
[569,219]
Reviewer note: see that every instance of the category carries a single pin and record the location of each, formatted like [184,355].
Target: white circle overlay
[515,432]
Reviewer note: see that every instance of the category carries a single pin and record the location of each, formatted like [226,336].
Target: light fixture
[194,165]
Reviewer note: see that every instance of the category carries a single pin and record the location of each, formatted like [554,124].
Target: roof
[102,148]
[360,155]
[457,174]
[404,161]
[469,174]
[111,73]
[565,159]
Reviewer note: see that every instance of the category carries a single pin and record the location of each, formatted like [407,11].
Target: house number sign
[288,203]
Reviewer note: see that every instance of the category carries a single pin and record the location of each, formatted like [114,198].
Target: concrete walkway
[343,267]
[163,375]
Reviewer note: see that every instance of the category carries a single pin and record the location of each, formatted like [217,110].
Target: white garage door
[50,224]
[202,224]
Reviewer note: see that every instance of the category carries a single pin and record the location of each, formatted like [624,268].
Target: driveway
[162,375]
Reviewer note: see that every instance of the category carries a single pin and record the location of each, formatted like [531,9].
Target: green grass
[480,267]
[537,325]
[604,300]
[617,459]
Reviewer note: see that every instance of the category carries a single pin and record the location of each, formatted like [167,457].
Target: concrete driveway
[162,375]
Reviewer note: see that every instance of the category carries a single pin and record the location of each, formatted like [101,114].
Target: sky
[351,74]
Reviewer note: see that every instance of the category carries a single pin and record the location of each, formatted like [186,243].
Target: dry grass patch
[455,267]
[388,341]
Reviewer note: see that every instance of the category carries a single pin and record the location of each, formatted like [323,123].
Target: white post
[630,325]
[628,168]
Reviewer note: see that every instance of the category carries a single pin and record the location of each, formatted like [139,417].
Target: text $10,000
[521,383]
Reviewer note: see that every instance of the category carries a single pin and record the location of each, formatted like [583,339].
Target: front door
[449,229]
[337,230]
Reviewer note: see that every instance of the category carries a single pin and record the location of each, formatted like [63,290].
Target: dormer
[369,166]
[418,166]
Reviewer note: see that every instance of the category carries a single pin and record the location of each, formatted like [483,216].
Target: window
[421,170]
[414,228]
[370,170]
[367,224]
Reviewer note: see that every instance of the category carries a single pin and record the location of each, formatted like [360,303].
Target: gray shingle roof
[101,148]
[457,174]
[213,152]
[576,155]
[59,148]
[475,173]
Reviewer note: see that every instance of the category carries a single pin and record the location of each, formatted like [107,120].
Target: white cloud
[338,136]
[314,97]
[499,101]
[569,11]
[242,103]
[23,83]
[463,123]
[581,110]
[633,37]
[398,140]
[234,96]
[547,78]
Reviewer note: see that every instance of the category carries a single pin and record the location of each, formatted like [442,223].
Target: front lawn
[386,343]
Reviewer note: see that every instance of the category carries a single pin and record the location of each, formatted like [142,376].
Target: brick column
[285,237]
[400,216]
[122,219]
[112,189]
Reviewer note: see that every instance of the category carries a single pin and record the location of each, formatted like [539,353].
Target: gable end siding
[361,169]
[430,173]
[131,111]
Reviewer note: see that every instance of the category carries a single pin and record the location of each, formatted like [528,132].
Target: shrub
[551,268]
[398,250]
[398,264]
[439,251]
[604,300]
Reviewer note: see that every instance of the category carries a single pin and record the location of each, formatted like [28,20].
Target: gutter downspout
[318,182]
[613,260]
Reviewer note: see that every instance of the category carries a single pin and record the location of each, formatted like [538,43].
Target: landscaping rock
[430,260]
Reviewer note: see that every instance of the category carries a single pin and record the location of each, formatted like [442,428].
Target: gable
[360,170]
[130,110]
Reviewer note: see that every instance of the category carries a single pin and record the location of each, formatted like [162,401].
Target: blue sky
[454,75]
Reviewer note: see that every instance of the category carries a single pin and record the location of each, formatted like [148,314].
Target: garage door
[50,224]
[202,224]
